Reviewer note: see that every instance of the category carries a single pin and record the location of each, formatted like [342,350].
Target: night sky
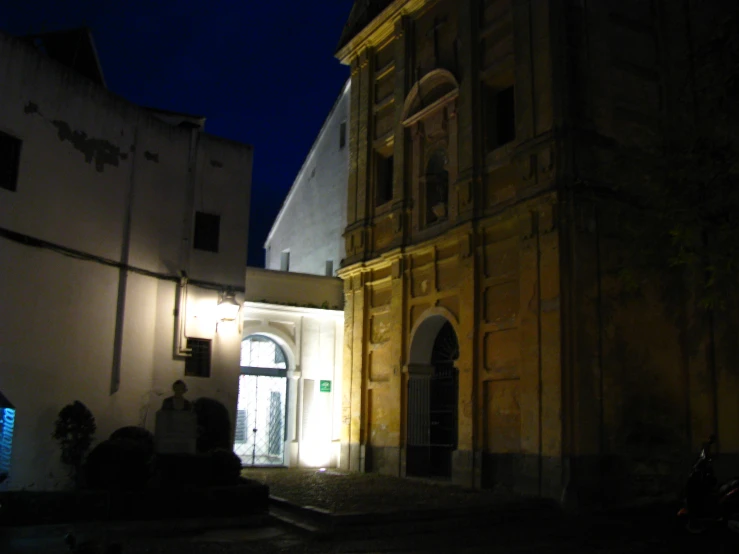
[261,72]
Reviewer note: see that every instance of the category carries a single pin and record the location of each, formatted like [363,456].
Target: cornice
[379,29]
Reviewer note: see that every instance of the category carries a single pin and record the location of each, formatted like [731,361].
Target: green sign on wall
[325,386]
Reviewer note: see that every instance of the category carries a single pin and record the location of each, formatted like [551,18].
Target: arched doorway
[259,438]
[432,399]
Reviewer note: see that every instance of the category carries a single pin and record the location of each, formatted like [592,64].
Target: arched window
[261,351]
[437,186]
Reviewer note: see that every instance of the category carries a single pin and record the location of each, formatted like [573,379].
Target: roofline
[112,96]
[90,36]
[328,313]
[303,167]
[97,57]
[171,112]
[395,10]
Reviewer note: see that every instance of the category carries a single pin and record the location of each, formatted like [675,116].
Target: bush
[118,464]
[225,468]
[135,434]
[214,425]
[74,429]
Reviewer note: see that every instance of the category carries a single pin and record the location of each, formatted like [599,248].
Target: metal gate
[432,423]
[432,411]
[260,419]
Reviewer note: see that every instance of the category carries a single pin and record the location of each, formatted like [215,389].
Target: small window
[329,268]
[342,135]
[437,187]
[506,116]
[10,155]
[207,231]
[285,261]
[500,117]
[198,363]
[383,179]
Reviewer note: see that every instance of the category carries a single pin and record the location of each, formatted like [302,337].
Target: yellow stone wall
[571,385]
[497,282]
[489,265]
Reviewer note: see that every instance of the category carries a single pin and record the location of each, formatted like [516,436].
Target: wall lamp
[228,307]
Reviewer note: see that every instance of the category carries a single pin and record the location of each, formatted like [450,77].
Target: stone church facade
[488,339]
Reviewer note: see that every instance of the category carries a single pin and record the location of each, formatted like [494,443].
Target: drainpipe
[180,342]
[115,374]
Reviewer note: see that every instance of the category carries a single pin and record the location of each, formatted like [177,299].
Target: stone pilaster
[464,471]
[402,87]
[364,138]
[357,416]
[351,208]
[346,376]
[469,85]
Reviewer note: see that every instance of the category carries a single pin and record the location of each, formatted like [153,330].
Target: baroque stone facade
[472,125]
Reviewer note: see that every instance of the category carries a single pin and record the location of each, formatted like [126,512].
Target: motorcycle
[708,505]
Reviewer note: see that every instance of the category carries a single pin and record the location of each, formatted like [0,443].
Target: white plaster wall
[313,217]
[297,289]
[57,313]
[312,340]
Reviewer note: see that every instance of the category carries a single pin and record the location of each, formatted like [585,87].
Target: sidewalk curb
[322,522]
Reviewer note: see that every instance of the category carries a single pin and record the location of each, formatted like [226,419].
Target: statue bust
[177,402]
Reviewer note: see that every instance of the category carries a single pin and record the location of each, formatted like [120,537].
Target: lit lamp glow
[228,308]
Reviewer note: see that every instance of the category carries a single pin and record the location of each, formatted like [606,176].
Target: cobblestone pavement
[343,492]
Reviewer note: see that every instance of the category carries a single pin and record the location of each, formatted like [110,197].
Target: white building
[291,367]
[293,320]
[307,234]
[105,207]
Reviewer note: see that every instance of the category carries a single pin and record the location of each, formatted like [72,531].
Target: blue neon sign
[7,424]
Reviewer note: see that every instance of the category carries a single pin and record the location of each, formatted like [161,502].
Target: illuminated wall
[103,182]
[312,340]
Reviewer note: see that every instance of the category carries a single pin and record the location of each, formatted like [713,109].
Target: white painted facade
[104,179]
[308,230]
[312,340]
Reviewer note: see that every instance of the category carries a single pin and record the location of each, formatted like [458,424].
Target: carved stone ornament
[439,210]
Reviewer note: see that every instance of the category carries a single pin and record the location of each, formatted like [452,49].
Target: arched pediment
[437,87]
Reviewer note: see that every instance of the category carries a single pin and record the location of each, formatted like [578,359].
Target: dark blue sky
[262,72]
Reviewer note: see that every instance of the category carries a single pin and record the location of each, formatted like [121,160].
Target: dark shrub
[136,434]
[214,425]
[178,471]
[74,429]
[225,468]
[117,465]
